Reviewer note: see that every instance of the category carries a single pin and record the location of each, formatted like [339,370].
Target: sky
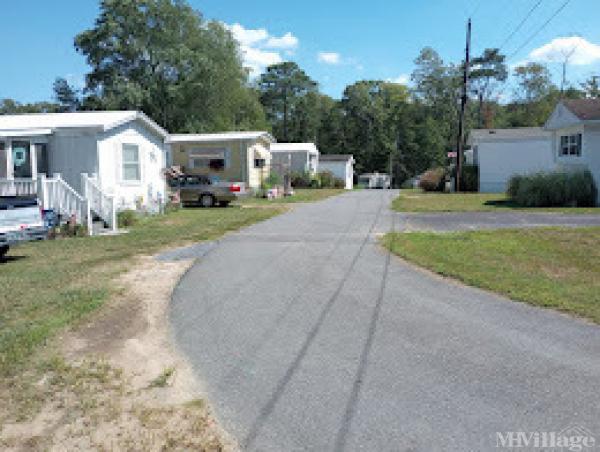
[335,42]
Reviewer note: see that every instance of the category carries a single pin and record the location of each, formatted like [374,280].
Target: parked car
[20,221]
[204,191]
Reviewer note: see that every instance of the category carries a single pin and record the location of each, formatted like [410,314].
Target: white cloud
[333,58]
[247,36]
[287,41]
[579,51]
[402,79]
[261,49]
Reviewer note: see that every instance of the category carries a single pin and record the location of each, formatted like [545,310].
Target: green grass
[48,285]
[419,201]
[300,195]
[550,267]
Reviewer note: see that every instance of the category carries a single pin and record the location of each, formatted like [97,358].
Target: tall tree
[535,95]
[162,57]
[282,87]
[66,95]
[487,71]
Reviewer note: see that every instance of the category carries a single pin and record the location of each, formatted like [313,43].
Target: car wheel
[3,250]
[207,201]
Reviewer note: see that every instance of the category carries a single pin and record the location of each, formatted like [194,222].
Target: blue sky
[336,42]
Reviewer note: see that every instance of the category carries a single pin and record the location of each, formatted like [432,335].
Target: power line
[518,27]
[539,30]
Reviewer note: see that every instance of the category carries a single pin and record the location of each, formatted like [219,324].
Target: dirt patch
[118,383]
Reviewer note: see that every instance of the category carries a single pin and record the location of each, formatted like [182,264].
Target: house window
[570,145]
[131,163]
[212,159]
[259,163]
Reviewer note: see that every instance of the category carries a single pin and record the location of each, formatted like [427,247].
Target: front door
[21,159]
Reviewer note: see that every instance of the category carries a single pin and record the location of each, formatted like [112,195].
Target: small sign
[452,154]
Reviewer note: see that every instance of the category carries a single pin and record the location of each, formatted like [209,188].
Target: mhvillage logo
[572,439]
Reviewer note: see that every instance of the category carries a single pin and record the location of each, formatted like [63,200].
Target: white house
[570,140]
[575,129]
[341,165]
[501,153]
[87,164]
[297,157]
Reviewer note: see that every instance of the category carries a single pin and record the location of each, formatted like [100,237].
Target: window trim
[137,181]
[570,145]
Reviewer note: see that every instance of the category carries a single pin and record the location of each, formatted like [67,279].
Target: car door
[189,189]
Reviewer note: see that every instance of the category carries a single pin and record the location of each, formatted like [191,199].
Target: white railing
[18,187]
[100,203]
[56,194]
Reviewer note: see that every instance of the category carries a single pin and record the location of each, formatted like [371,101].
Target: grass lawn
[418,201]
[300,195]
[551,267]
[48,285]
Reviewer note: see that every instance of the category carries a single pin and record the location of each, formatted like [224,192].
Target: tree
[487,70]
[591,87]
[162,57]
[535,95]
[438,88]
[66,95]
[282,87]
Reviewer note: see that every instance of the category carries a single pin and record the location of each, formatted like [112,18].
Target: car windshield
[19,216]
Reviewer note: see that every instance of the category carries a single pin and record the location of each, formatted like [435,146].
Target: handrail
[102,204]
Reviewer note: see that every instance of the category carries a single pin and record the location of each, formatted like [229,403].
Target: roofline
[134,116]
[191,137]
[141,116]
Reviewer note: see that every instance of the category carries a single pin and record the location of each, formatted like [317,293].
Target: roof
[294,147]
[508,134]
[584,109]
[104,120]
[335,157]
[221,136]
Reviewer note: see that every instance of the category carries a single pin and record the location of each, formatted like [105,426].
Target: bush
[272,180]
[327,179]
[433,180]
[301,180]
[339,183]
[127,218]
[469,180]
[554,189]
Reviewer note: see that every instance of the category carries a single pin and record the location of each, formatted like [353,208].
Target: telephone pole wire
[463,108]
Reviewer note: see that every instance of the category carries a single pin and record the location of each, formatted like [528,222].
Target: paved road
[309,336]
[464,221]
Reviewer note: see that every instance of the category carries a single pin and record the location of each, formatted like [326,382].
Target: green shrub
[327,179]
[469,180]
[433,180]
[553,189]
[127,218]
[339,183]
[301,180]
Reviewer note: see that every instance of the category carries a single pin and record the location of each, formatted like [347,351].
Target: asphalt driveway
[309,336]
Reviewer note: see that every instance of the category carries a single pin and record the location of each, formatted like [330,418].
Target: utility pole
[463,108]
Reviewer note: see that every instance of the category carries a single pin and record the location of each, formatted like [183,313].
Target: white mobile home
[570,140]
[86,161]
[575,129]
[341,165]
[295,157]
[502,153]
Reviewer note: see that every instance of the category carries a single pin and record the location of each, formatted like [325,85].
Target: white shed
[341,165]
[502,153]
